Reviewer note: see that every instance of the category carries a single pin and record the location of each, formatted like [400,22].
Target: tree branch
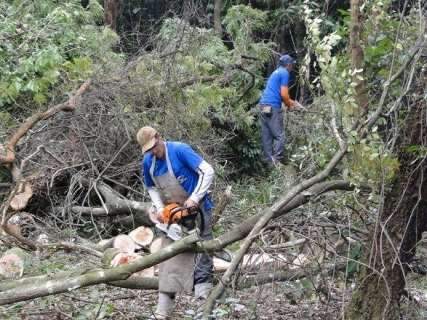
[243,229]
[67,106]
[92,277]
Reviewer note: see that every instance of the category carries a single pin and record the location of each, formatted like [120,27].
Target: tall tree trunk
[398,228]
[357,55]
[217,17]
[111,13]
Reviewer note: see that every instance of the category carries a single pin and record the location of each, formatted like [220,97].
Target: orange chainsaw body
[173,213]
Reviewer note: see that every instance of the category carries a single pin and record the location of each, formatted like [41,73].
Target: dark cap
[286,59]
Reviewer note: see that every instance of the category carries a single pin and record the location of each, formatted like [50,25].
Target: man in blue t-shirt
[270,105]
[174,173]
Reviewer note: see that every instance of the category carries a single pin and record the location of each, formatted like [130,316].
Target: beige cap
[146,138]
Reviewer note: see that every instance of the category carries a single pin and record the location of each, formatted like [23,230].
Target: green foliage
[200,43]
[47,46]
[335,77]
[220,105]
[418,150]
[370,162]
[386,40]
[6,121]
[241,22]
[353,264]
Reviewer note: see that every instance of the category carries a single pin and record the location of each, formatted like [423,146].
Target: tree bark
[217,17]
[357,55]
[397,231]
[111,13]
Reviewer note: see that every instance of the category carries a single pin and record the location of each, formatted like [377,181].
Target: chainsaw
[177,222]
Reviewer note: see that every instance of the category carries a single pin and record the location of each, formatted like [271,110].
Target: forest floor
[279,300]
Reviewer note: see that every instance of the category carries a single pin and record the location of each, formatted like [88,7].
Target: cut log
[126,258]
[108,256]
[124,243]
[13,263]
[20,200]
[156,245]
[152,214]
[97,276]
[123,258]
[142,236]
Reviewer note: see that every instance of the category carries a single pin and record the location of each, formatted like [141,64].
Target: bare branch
[67,106]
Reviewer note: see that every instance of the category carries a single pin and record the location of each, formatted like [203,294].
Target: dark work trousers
[273,135]
[203,271]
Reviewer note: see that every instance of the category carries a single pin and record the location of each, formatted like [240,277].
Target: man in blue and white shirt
[174,173]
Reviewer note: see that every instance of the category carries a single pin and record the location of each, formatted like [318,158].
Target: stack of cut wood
[121,249]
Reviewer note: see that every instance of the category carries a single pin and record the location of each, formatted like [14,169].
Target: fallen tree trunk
[93,277]
[128,212]
[140,283]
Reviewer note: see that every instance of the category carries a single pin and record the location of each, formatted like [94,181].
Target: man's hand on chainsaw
[156,216]
[189,203]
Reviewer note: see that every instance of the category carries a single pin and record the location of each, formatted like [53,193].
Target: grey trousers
[203,271]
[273,135]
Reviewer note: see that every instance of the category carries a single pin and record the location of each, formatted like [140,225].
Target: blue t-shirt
[271,95]
[184,161]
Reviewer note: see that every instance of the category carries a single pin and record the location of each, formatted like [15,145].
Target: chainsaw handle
[173,213]
[178,209]
[190,209]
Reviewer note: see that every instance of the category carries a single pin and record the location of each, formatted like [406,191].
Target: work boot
[164,307]
[201,293]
